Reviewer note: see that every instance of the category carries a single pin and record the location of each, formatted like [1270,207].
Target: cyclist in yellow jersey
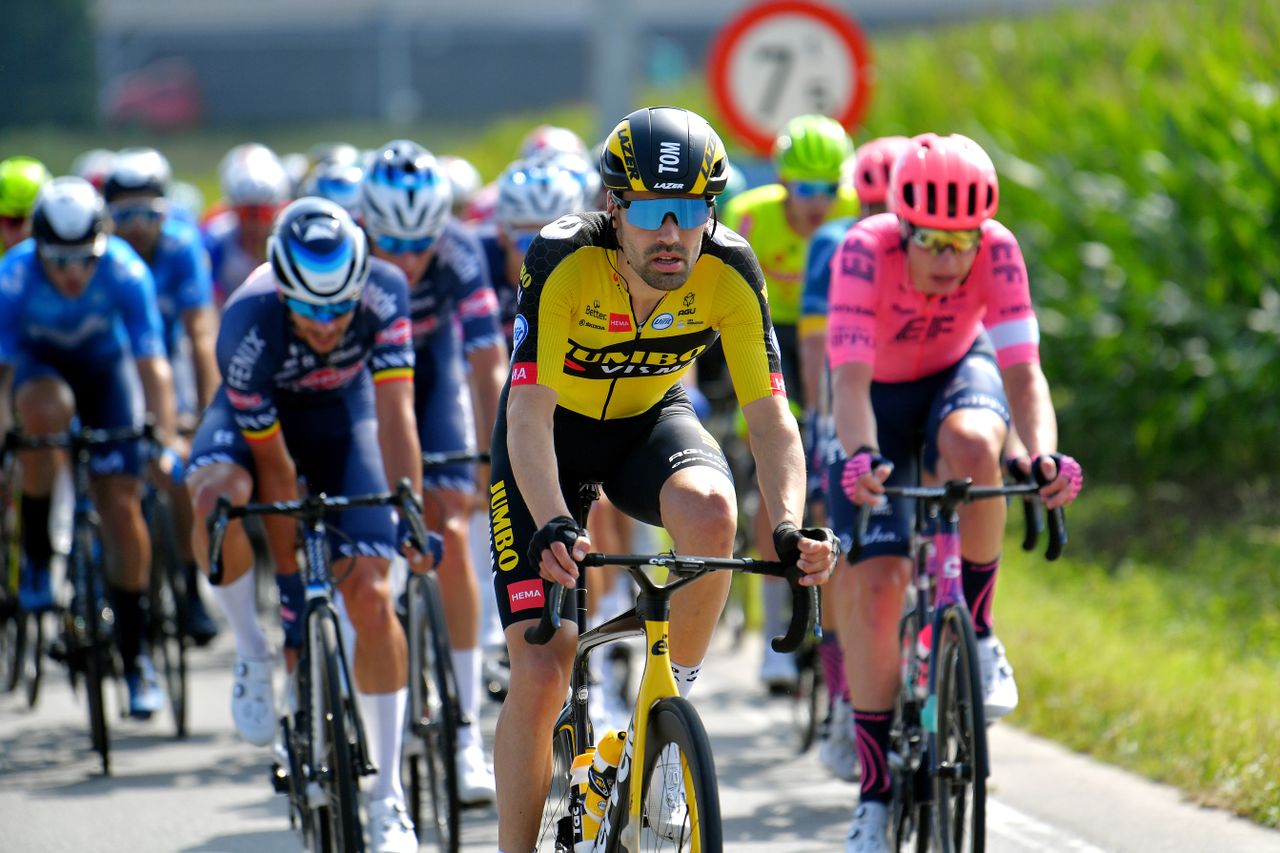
[20,180]
[614,307]
[778,220]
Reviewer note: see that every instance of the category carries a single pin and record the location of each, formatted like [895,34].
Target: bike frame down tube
[944,558]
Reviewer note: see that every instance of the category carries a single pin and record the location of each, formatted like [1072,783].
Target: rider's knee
[44,406]
[206,485]
[970,446]
[367,596]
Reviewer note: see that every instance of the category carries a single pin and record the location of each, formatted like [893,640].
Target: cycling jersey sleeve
[815,297]
[194,275]
[1010,320]
[247,363]
[387,293]
[477,300]
[11,285]
[851,322]
[545,304]
[746,329]
[135,292]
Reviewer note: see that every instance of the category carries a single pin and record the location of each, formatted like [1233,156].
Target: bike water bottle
[600,777]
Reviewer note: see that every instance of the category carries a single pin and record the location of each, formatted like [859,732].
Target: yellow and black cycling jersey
[576,333]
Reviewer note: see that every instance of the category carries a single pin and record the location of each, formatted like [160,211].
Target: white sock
[466,669]
[685,676]
[238,601]
[383,715]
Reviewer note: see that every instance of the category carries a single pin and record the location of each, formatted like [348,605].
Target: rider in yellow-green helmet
[20,180]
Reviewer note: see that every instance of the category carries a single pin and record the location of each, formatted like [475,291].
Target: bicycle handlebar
[83,437]
[953,493]
[453,457]
[805,604]
[313,506]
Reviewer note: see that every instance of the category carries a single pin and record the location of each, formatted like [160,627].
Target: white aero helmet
[464,180]
[93,165]
[137,170]
[405,194]
[577,165]
[531,194]
[550,139]
[318,254]
[254,176]
[69,212]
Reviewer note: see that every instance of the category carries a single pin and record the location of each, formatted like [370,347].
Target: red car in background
[163,95]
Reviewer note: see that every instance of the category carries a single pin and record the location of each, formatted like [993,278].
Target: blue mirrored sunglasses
[650,213]
[321,313]
[814,189]
[126,212]
[401,246]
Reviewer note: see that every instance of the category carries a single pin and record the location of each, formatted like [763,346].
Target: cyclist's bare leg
[205,485]
[448,510]
[610,531]
[539,681]
[701,514]
[866,601]
[118,499]
[44,407]
[381,653]
[969,445]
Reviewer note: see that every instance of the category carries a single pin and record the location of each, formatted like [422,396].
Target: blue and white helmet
[338,182]
[318,254]
[531,194]
[578,166]
[405,194]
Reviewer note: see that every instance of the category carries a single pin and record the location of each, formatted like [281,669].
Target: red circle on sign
[761,139]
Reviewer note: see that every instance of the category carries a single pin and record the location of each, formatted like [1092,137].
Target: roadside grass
[1169,666]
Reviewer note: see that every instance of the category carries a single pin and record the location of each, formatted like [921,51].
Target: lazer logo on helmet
[668,185]
[628,153]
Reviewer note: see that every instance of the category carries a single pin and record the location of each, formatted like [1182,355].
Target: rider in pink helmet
[871,169]
[945,182]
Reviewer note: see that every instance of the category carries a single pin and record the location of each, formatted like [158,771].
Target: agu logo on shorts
[525,595]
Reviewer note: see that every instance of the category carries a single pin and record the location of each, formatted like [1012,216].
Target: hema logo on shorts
[525,595]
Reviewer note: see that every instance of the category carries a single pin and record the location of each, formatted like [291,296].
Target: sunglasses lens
[649,214]
[815,189]
[322,313]
[938,240]
[126,213]
[400,246]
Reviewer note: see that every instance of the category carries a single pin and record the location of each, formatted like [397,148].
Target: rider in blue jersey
[317,360]
[79,331]
[255,186]
[406,204]
[135,190]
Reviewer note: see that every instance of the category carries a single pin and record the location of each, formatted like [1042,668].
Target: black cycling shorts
[630,457]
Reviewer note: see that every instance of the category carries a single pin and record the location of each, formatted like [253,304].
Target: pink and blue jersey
[877,317]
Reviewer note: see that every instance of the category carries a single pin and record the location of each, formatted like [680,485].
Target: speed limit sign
[785,58]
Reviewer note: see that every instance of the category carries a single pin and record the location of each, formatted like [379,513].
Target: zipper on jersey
[631,310]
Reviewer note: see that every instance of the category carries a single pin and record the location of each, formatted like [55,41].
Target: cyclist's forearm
[157,387]
[1032,408]
[813,354]
[775,444]
[488,373]
[854,416]
[273,484]
[201,326]
[398,434]
[6,397]
[532,451]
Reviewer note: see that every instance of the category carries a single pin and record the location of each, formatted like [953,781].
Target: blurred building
[287,60]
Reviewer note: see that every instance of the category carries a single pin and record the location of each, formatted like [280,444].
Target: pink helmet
[872,166]
[944,182]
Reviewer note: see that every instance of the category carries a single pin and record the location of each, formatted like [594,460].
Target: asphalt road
[210,792]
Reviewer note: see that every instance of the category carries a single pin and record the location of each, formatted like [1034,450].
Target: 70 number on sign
[792,67]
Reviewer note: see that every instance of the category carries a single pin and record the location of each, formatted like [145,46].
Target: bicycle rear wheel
[169,610]
[960,742]
[680,800]
[92,638]
[557,831]
[434,719]
[337,821]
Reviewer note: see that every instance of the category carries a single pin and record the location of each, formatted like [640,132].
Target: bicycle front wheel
[432,769]
[337,821]
[169,611]
[809,700]
[911,812]
[679,797]
[960,742]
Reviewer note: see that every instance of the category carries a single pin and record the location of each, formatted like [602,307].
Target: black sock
[979,580]
[131,622]
[871,733]
[35,530]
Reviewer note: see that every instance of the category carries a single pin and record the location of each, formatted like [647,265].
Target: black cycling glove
[786,541]
[561,529]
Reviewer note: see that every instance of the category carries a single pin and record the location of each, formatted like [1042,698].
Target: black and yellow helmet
[665,150]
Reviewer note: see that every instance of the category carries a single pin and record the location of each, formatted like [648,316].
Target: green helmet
[20,180]
[812,148]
